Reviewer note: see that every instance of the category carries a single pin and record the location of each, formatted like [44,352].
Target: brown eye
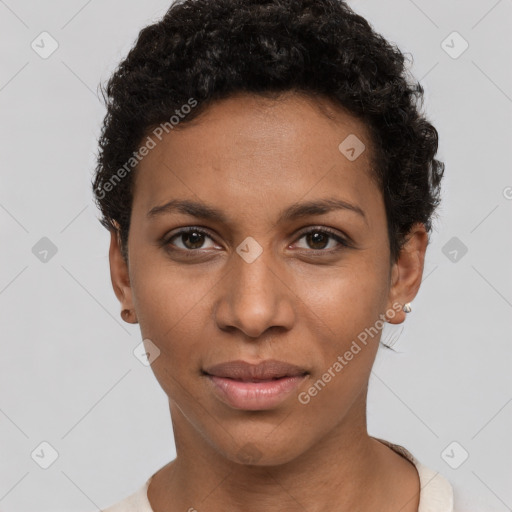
[190,238]
[319,239]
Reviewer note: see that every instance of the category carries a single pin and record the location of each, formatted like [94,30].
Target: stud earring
[407,307]
[125,315]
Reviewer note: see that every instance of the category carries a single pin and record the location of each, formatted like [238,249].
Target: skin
[252,158]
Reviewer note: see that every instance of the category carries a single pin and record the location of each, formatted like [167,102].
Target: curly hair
[206,50]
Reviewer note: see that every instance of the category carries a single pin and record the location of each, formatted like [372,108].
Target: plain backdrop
[72,394]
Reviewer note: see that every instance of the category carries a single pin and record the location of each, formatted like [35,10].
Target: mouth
[246,386]
[269,369]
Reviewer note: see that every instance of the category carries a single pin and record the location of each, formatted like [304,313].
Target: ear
[120,278]
[407,272]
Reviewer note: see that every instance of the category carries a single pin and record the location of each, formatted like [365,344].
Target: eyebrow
[296,211]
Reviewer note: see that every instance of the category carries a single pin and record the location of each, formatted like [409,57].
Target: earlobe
[120,277]
[407,273]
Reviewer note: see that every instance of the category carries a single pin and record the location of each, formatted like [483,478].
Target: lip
[247,386]
[264,370]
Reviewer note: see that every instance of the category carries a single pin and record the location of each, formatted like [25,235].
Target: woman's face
[265,281]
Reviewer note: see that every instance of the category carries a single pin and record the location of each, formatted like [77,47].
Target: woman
[269,184]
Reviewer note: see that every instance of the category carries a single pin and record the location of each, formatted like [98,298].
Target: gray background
[68,375]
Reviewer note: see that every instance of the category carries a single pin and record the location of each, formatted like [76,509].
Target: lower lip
[254,396]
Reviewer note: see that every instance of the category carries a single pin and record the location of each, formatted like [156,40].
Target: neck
[344,471]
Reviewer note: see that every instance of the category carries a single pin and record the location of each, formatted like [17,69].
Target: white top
[436,494]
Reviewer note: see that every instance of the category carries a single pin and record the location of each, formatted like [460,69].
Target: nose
[255,296]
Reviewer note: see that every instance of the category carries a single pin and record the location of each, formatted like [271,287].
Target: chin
[262,452]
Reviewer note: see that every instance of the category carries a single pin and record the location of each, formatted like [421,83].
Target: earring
[125,314]
[407,307]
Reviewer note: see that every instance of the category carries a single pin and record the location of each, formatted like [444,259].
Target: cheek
[172,317]
[175,325]
[343,302]
[170,300]
[344,312]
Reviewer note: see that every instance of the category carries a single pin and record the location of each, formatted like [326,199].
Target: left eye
[318,239]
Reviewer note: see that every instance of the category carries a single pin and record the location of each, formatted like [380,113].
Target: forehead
[246,152]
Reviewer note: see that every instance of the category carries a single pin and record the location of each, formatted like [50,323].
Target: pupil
[195,239]
[317,237]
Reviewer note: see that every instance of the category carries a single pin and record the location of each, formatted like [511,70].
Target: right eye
[192,239]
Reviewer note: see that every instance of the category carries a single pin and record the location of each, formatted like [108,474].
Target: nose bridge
[254,297]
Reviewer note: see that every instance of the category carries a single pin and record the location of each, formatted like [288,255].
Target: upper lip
[242,370]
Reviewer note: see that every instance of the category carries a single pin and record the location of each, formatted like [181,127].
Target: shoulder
[436,493]
[136,502]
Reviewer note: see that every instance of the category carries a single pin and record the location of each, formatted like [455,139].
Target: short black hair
[206,50]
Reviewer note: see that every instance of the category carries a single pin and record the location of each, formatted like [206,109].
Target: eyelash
[323,230]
